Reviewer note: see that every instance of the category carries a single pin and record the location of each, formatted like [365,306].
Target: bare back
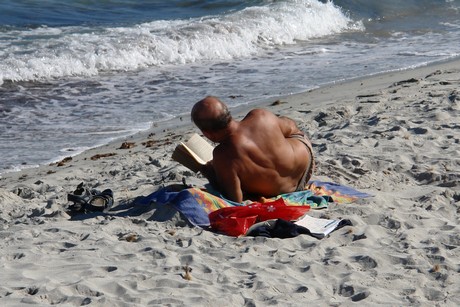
[259,159]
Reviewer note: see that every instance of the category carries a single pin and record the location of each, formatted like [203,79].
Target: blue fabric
[184,202]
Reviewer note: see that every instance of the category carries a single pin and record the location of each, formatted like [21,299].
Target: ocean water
[76,74]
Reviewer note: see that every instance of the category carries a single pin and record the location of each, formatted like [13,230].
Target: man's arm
[228,180]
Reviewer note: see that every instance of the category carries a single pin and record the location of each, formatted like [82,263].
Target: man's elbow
[239,199]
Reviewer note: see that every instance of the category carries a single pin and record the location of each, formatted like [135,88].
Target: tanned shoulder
[257,112]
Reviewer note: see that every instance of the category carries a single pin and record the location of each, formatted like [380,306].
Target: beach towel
[339,193]
[196,204]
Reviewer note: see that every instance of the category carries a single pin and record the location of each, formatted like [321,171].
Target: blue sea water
[75,74]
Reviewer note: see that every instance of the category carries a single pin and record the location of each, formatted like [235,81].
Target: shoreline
[244,108]
[393,135]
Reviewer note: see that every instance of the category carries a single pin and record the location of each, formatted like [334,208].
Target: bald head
[211,114]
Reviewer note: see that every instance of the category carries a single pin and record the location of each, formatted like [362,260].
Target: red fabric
[235,221]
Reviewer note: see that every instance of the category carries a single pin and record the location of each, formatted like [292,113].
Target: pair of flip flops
[85,200]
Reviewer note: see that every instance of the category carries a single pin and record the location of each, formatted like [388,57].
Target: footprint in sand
[366,262]
[360,296]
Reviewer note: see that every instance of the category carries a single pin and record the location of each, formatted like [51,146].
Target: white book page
[317,225]
[199,148]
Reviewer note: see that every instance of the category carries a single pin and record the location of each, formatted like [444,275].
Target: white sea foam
[79,51]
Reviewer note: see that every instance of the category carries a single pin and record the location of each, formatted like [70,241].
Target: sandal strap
[107,199]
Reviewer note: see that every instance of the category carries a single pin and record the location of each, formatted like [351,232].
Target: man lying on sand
[262,155]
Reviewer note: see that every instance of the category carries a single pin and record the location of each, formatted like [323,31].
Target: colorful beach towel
[339,193]
[195,204]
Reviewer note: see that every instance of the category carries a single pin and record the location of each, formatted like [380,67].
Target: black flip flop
[101,202]
[85,200]
[79,202]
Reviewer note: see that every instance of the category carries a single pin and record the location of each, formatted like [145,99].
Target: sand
[395,135]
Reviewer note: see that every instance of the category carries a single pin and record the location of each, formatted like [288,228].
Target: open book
[194,153]
[318,227]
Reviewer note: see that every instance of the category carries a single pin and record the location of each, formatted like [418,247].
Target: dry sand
[395,135]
